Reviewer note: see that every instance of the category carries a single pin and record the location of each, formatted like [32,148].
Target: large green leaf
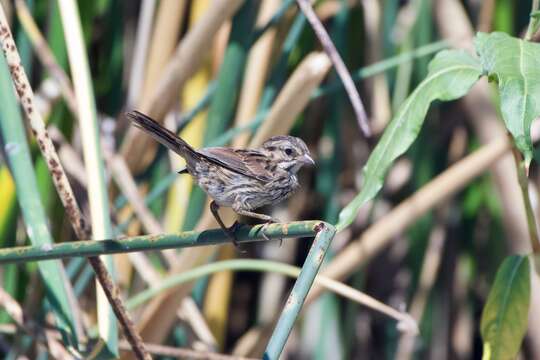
[451,74]
[504,319]
[515,64]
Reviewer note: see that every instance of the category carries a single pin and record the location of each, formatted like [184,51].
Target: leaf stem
[534,21]
[524,186]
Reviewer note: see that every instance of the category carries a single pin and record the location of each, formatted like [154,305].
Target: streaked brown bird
[243,179]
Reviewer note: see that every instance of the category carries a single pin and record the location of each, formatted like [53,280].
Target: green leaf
[504,319]
[18,154]
[515,64]
[451,74]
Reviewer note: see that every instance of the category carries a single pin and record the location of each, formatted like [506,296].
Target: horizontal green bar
[87,248]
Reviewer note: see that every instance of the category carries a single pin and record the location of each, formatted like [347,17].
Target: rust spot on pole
[319,227]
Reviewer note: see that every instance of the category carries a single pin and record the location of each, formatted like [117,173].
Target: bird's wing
[250,163]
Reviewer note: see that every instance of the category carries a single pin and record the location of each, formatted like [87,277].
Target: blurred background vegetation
[236,73]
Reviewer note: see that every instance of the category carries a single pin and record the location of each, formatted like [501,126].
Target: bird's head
[290,152]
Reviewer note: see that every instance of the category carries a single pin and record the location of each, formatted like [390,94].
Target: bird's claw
[234,226]
[231,233]
[263,230]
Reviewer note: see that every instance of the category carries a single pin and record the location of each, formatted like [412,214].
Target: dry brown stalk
[62,185]
[169,20]
[185,353]
[294,97]
[377,86]
[138,149]
[257,66]
[339,65]
[381,233]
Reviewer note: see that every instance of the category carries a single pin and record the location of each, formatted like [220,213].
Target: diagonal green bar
[325,234]
[155,242]
[18,154]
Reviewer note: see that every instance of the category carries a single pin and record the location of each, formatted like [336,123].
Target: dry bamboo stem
[380,234]
[185,353]
[169,21]
[339,65]
[139,149]
[377,87]
[294,97]
[256,70]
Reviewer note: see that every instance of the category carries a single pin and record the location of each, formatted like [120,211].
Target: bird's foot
[265,227]
[231,233]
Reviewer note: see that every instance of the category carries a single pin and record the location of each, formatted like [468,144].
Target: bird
[242,179]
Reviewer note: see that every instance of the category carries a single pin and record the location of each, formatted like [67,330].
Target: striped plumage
[242,179]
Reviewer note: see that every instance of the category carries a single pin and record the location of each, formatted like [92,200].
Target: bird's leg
[268,220]
[230,231]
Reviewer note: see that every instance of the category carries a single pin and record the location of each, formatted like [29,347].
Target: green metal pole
[325,234]
[154,242]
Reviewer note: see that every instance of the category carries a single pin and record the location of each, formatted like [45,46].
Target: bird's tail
[162,134]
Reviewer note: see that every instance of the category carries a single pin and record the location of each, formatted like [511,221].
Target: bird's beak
[307,160]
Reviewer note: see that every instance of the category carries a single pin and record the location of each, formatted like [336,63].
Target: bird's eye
[288,151]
